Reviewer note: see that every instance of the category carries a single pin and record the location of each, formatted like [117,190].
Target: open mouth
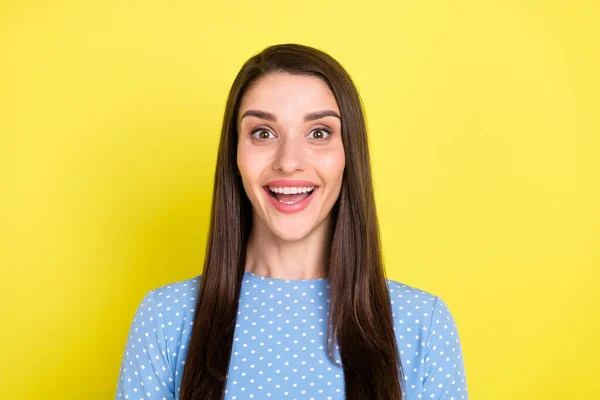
[290,195]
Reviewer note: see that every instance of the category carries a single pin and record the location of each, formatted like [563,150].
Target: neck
[271,256]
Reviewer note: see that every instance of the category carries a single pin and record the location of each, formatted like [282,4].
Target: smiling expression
[290,152]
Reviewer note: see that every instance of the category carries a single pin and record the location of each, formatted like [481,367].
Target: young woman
[293,301]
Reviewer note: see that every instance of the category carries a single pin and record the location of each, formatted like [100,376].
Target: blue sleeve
[146,373]
[444,372]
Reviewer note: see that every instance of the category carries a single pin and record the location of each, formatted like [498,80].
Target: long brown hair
[360,316]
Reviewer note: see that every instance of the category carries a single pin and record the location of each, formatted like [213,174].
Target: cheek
[251,164]
[331,166]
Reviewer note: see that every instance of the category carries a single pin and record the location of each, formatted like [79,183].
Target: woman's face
[290,152]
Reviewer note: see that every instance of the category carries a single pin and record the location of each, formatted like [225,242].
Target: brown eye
[320,134]
[261,134]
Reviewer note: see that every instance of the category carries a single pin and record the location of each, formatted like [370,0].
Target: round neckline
[278,280]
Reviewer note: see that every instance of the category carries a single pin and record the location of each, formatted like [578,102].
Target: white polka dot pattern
[279,347]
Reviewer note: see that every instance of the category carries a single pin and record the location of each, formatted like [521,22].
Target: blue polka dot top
[279,347]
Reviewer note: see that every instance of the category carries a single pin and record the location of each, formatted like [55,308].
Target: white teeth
[291,190]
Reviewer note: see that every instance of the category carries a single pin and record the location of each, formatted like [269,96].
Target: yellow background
[484,126]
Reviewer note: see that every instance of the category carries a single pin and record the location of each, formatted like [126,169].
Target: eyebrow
[311,116]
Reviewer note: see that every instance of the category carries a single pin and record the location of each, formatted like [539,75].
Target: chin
[290,232]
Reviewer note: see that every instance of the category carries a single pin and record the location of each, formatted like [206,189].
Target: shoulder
[169,308]
[400,288]
[428,342]
[414,312]
[175,301]
[157,339]
[411,301]
[177,291]
[417,306]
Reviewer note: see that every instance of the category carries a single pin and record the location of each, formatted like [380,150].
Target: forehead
[289,95]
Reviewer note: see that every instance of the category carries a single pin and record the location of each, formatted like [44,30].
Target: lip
[291,183]
[289,208]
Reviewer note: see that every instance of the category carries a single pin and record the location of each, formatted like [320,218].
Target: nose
[289,157]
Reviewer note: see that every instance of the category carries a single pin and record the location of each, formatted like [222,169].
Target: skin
[283,245]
